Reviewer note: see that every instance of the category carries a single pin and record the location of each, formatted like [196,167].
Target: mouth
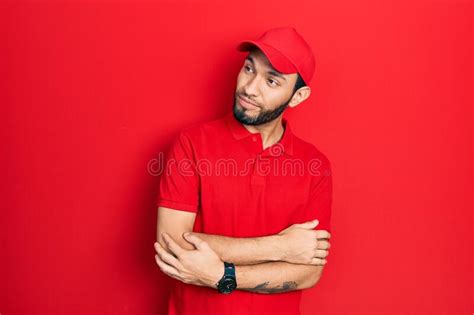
[246,103]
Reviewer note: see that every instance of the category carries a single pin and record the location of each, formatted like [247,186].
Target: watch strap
[229,270]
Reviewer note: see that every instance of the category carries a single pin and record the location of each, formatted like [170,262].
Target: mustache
[248,98]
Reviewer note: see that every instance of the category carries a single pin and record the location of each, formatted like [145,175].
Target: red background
[91,92]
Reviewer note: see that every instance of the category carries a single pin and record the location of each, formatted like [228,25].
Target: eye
[247,67]
[276,83]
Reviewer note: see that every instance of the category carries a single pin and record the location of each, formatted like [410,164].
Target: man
[249,193]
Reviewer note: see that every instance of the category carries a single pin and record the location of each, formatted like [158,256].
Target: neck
[271,132]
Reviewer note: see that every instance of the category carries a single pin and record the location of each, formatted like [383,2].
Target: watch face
[227,284]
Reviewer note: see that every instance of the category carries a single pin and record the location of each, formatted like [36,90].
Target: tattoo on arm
[263,287]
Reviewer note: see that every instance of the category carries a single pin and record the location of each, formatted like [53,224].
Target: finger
[195,240]
[318,261]
[308,225]
[323,244]
[321,253]
[158,245]
[172,245]
[169,270]
[323,234]
[167,257]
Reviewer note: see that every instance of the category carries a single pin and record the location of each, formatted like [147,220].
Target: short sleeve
[179,181]
[320,198]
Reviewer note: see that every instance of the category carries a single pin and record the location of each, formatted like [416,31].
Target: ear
[300,95]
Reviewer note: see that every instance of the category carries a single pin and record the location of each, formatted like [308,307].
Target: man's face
[259,83]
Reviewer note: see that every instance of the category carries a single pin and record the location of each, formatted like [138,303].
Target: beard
[263,117]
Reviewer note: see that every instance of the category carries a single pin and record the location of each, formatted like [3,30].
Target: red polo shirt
[220,171]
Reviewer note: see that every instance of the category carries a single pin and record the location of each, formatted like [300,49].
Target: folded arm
[240,251]
[259,261]
[245,250]
[277,277]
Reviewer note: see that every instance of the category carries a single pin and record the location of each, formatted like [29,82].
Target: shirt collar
[239,132]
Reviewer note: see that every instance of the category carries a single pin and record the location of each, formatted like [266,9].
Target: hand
[201,267]
[304,245]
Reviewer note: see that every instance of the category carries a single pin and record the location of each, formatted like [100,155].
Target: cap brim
[277,60]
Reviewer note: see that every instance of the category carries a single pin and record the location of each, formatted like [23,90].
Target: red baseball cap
[286,50]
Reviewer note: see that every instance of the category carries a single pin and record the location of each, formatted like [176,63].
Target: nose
[251,88]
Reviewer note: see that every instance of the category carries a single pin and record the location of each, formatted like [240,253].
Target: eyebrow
[272,72]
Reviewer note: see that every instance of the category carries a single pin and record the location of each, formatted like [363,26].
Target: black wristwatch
[228,283]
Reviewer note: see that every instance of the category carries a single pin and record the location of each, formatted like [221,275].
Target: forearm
[276,277]
[245,251]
